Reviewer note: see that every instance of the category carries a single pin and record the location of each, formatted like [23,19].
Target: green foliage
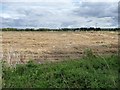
[61,29]
[89,54]
[89,72]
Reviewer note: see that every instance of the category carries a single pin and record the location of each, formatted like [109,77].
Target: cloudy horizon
[58,14]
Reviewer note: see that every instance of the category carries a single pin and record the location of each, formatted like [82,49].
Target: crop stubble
[55,46]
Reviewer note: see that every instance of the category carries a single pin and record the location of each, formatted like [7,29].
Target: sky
[58,13]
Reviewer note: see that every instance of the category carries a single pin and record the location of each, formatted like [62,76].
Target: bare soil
[55,46]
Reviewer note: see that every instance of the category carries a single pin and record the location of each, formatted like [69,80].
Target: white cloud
[5,15]
[11,16]
[58,13]
[63,1]
[59,0]
[100,0]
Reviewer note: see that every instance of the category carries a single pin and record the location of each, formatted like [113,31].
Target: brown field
[55,46]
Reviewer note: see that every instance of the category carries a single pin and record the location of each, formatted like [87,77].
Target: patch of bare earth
[55,46]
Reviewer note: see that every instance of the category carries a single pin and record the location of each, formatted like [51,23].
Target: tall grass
[92,71]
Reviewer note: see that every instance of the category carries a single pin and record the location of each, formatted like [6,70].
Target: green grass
[92,71]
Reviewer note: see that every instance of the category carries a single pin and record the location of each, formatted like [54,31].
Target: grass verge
[92,71]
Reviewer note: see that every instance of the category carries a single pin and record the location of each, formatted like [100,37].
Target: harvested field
[20,46]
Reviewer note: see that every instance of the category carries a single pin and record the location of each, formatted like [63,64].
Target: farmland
[55,46]
[59,44]
[86,59]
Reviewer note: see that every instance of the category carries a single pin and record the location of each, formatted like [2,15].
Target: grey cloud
[99,10]
[66,24]
[96,9]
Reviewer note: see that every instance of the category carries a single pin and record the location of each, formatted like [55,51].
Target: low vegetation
[92,71]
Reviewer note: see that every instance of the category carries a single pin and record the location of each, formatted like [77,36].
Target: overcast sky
[58,13]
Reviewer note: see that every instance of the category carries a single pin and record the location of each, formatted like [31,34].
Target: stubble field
[21,46]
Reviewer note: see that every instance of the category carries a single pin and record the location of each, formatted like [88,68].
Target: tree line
[61,29]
